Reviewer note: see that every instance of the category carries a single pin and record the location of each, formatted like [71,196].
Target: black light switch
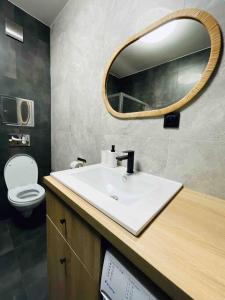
[172,120]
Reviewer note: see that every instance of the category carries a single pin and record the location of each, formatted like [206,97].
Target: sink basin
[130,200]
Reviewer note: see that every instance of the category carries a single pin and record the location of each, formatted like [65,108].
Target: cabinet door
[85,242]
[79,283]
[81,237]
[68,277]
[56,249]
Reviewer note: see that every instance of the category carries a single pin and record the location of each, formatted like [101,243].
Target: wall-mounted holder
[80,162]
[19,140]
[14,30]
[16,111]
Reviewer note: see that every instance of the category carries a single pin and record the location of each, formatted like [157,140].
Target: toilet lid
[20,170]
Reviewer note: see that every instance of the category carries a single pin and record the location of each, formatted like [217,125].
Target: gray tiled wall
[83,39]
[25,72]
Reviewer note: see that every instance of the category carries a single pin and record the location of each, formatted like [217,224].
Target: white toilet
[21,176]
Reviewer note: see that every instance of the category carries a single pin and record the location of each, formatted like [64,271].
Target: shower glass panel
[122,102]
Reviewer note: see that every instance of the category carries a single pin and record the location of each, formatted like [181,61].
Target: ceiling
[43,10]
[171,41]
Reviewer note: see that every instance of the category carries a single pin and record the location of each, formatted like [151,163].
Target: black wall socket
[172,120]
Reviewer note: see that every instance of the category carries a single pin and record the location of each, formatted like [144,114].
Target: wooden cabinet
[74,254]
[56,271]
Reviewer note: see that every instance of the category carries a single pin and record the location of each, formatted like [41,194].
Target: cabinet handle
[62,221]
[62,260]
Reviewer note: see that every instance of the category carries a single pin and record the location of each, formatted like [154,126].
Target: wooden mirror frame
[215,36]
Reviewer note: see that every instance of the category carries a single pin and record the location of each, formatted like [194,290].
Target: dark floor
[23,267]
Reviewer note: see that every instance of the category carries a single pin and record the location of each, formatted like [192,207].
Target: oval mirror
[164,67]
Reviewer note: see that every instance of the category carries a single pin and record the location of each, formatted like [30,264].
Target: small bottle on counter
[112,161]
[108,158]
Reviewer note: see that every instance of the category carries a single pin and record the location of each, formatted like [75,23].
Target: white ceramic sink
[132,201]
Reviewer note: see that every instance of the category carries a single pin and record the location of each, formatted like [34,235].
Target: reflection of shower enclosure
[125,103]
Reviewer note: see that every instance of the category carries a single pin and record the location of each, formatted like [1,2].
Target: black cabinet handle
[62,221]
[62,260]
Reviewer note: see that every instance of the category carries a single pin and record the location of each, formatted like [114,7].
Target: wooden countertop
[182,250]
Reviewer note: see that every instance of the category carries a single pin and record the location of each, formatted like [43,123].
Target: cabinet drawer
[68,278]
[82,238]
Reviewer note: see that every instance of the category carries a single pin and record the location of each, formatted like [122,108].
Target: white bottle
[104,157]
[111,158]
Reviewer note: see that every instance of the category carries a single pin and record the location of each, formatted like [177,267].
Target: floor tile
[23,269]
[14,294]
[36,273]
[4,224]
[6,244]
[31,253]
[10,274]
[38,290]
[22,233]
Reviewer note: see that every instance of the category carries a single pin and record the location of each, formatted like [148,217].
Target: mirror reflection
[160,68]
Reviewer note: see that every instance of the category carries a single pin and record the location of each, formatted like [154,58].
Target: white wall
[84,36]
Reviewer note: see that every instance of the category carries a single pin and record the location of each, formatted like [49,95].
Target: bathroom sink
[130,200]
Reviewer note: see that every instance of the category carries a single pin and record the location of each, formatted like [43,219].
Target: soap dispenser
[111,159]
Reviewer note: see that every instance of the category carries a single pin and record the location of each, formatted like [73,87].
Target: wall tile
[199,165]
[25,73]
[83,39]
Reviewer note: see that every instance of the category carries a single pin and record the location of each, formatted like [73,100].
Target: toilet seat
[20,170]
[25,195]
[21,177]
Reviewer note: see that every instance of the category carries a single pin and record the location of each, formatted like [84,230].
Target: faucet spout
[130,160]
[123,157]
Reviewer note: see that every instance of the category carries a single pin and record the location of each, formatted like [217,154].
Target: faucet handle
[128,151]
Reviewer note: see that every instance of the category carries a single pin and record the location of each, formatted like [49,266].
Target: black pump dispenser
[113,148]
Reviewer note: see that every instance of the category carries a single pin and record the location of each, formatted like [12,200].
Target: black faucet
[130,160]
